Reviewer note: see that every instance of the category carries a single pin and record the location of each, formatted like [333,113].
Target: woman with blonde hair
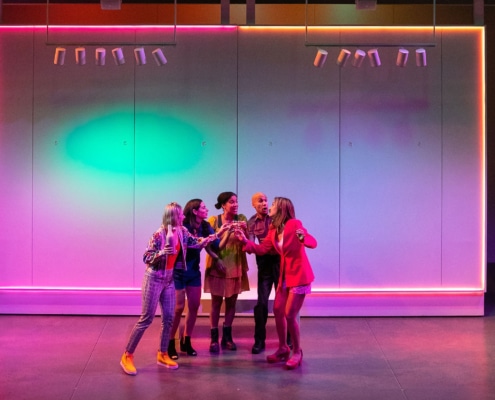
[289,238]
[166,250]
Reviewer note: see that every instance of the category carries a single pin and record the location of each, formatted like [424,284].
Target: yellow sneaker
[165,361]
[127,364]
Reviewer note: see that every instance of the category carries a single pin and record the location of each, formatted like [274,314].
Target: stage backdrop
[385,165]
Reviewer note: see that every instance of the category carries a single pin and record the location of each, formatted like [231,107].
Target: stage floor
[77,357]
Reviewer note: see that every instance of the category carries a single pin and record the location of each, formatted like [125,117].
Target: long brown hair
[285,211]
[203,228]
[191,205]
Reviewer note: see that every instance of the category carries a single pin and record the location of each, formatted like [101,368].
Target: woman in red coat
[289,238]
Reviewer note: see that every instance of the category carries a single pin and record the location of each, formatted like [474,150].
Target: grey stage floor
[77,357]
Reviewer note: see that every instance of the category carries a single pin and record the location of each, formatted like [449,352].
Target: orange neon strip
[365,28]
[482,101]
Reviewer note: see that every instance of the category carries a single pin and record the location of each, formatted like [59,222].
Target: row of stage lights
[373,56]
[160,59]
[117,53]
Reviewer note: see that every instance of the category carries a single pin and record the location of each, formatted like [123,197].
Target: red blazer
[294,263]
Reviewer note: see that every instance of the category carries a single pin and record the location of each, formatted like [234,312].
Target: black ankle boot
[214,347]
[172,353]
[258,347]
[185,346]
[227,341]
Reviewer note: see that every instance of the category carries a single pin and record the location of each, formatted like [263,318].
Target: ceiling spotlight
[100,54]
[320,58]
[343,57]
[140,56]
[59,58]
[159,57]
[358,58]
[80,56]
[374,58]
[421,57]
[402,55]
[118,56]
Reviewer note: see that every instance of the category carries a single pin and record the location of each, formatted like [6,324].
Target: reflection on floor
[77,357]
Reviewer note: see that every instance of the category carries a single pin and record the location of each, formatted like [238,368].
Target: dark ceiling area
[383,2]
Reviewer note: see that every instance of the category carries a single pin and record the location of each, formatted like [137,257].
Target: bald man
[268,269]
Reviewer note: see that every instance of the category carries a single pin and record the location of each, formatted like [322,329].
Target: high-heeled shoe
[278,356]
[294,361]
[172,353]
[186,347]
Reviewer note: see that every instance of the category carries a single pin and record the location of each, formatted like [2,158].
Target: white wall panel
[186,128]
[16,160]
[288,136]
[83,171]
[462,158]
[391,172]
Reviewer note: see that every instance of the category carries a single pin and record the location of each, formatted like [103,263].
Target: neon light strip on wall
[482,150]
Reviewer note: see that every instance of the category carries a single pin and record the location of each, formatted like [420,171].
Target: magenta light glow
[481,279]
[121,27]
[391,290]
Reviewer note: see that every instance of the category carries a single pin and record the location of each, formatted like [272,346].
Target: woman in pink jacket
[289,238]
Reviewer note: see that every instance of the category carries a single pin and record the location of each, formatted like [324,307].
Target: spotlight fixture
[140,56]
[374,58]
[421,58]
[80,56]
[402,55]
[343,57]
[320,58]
[159,57]
[100,54]
[118,56]
[59,58]
[358,58]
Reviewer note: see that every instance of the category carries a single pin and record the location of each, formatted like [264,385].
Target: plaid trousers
[158,288]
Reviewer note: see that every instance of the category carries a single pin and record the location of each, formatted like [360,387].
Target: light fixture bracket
[49,42]
[432,43]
